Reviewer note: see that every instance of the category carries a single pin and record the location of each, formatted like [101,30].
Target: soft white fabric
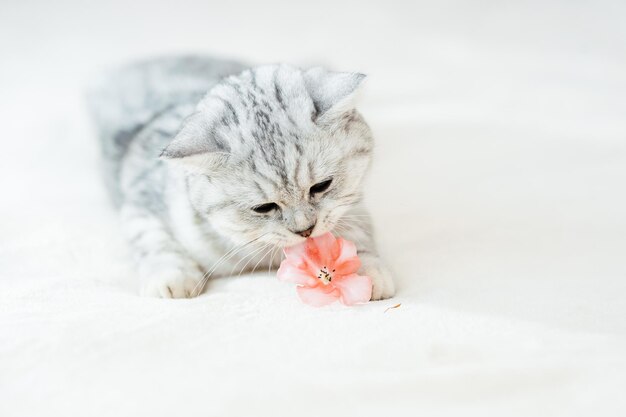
[498,194]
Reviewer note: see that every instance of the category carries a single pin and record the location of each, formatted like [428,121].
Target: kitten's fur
[187,167]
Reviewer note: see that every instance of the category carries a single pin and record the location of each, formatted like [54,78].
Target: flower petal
[291,273]
[317,296]
[347,249]
[348,267]
[323,250]
[295,252]
[354,288]
[348,262]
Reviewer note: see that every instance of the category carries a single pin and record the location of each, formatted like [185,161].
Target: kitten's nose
[307,232]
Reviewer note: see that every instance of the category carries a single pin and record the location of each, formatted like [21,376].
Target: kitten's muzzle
[307,232]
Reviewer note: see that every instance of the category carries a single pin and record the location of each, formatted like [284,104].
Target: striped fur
[192,145]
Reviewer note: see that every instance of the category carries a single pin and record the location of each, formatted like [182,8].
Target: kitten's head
[275,153]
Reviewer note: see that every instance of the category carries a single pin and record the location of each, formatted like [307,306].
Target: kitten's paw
[382,282]
[172,283]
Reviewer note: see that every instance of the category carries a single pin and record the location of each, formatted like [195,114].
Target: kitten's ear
[332,92]
[197,145]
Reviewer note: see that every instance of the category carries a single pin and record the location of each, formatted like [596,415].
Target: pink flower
[325,270]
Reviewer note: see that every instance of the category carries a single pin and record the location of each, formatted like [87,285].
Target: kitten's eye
[265,208]
[320,187]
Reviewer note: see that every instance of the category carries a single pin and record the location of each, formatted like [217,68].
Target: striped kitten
[213,184]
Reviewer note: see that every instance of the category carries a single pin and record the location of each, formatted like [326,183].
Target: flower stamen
[325,276]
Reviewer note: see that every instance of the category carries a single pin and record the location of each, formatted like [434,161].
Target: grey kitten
[212,184]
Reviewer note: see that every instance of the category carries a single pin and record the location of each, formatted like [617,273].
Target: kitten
[214,184]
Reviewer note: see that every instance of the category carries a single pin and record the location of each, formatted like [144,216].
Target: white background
[498,194]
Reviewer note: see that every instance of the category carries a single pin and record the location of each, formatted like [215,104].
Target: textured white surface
[498,193]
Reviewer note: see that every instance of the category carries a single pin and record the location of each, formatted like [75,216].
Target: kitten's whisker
[224,257]
[271,248]
[249,255]
[343,229]
[354,222]
[269,268]
[356,219]
[347,203]
[229,254]
[347,222]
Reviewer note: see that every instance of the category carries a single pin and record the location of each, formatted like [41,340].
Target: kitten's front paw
[382,282]
[172,283]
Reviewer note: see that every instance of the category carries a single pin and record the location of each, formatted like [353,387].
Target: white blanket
[498,194]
